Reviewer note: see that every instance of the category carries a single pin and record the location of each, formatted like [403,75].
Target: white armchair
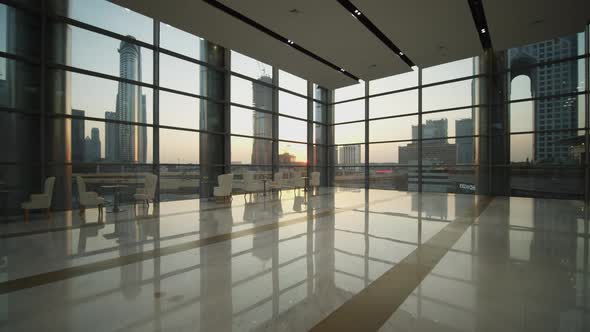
[148,192]
[225,186]
[297,181]
[88,198]
[40,201]
[251,185]
[279,182]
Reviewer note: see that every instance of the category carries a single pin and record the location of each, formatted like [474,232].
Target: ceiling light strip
[481,24]
[357,14]
[276,36]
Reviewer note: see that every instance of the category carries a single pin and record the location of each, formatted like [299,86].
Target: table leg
[264,190]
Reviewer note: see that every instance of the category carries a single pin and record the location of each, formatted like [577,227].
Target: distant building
[286,158]
[130,107]
[560,78]
[77,134]
[111,137]
[92,146]
[262,122]
[435,147]
[350,155]
[433,129]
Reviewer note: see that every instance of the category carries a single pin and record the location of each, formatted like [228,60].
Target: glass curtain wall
[510,122]
[93,91]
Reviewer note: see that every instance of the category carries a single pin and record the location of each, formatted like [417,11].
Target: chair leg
[26,215]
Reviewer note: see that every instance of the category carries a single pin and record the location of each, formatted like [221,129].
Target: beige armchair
[40,201]
[148,192]
[88,198]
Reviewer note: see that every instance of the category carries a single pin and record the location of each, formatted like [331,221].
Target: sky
[95,96]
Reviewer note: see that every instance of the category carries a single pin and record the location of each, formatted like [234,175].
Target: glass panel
[320,93]
[251,151]
[251,94]
[349,155]
[388,153]
[350,92]
[448,179]
[20,86]
[402,128]
[291,82]
[350,111]
[19,134]
[548,80]
[102,54]
[457,94]
[351,177]
[448,124]
[179,182]
[250,67]
[390,177]
[442,151]
[179,110]
[105,99]
[561,183]
[292,130]
[392,83]
[179,147]
[319,155]
[547,148]
[180,75]
[182,42]
[292,153]
[251,123]
[292,105]
[449,71]
[349,133]
[319,112]
[20,34]
[109,16]
[111,142]
[394,104]
[319,134]
[548,50]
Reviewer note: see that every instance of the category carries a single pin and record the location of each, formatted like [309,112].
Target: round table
[115,188]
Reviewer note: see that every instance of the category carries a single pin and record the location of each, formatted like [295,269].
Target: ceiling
[429,32]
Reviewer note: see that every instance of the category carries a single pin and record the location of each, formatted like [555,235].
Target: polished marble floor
[341,259]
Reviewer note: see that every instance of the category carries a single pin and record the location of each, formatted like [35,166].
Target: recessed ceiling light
[342,70]
[414,68]
[401,53]
[483,30]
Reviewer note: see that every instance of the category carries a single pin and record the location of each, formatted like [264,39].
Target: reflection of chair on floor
[147,193]
[314,181]
[225,187]
[297,181]
[298,203]
[279,182]
[88,198]
[40,201]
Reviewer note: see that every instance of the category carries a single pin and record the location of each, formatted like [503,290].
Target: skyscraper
[560,78]
[77,134]
[111,149]
[92,146]
[262,98]
[130,107]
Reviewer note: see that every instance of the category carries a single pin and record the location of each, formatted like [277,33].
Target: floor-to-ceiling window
[93,90]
